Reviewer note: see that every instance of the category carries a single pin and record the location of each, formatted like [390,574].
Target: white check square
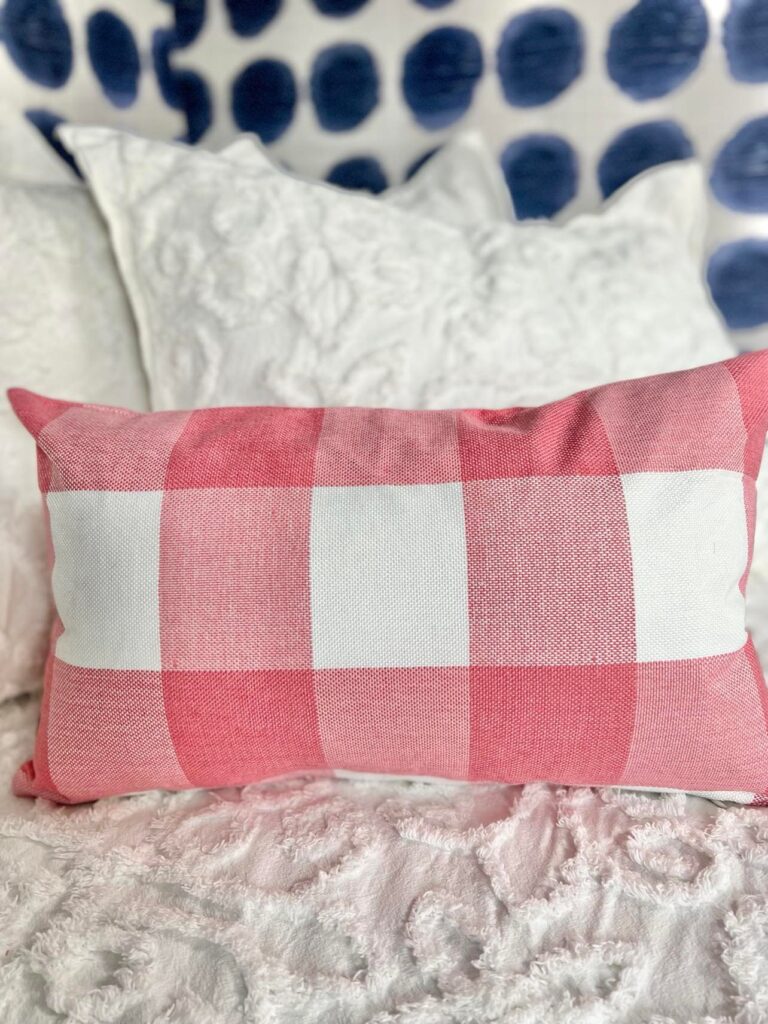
[105,577]
[389,576]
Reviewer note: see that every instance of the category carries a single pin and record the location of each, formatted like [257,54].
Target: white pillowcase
[68,332]
[270,289]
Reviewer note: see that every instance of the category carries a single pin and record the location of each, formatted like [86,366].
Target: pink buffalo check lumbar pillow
[553,593]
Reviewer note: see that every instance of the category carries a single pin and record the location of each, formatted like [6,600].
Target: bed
[341,901]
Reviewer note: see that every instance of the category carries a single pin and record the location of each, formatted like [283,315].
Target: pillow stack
[504,583]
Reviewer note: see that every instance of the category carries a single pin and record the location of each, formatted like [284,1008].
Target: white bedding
[342,902]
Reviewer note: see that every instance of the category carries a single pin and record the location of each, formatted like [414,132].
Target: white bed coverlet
[341,902]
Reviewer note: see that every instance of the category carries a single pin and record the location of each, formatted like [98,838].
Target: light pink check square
[679,421]
[95,744]
[387,446]
[549,571]
[406,721]
[700,720]
[110,449]
[234,579]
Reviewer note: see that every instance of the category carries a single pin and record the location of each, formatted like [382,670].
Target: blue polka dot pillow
[575,96]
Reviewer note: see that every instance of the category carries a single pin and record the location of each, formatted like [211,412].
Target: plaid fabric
[518,594]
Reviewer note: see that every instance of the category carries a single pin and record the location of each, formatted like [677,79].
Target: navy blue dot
[540,54]
[740,171]
[359,172]
[264,99]
[189,18]
[344,85]
[440,73]
[38,40]
[738,280]
[46,122]
[249,17]
[745,37]
[195,100]
[338,8]
[181,89]
[656,45]
[636,149]
[419,162]
[114,57]
[434,4]
[542,175]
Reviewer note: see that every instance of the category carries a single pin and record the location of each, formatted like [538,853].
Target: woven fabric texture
[532,593]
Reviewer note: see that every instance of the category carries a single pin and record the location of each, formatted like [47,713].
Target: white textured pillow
[276,290]
[67,327]
[461,184]
[465,185]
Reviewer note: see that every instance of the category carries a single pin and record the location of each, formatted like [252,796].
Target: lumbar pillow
[528,593]
[279,291]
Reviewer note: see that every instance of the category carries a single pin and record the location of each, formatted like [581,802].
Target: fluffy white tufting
[345,902]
